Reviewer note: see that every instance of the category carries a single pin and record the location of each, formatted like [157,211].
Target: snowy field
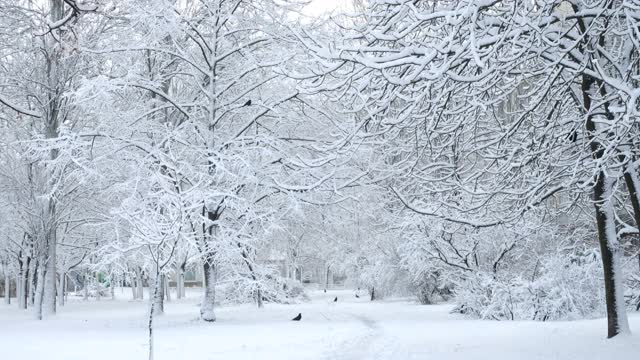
[349,329]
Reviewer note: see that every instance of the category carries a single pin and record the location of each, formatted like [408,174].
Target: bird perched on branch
[248,103]
[297,318]
[336,299]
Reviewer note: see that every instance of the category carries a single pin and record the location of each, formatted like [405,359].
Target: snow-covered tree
[490,109]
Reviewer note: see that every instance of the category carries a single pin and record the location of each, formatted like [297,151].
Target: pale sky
[318,7]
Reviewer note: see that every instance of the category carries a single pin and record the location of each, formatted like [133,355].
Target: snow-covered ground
[349,329]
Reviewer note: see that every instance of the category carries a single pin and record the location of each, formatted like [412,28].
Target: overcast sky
[318,7]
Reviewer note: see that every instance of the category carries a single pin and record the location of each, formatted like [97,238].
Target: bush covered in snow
[272,289]
[94,290]
[566,287]
[382,277]
[432,288]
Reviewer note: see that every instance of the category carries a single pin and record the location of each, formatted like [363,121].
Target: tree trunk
[611,252]
[24,290]
[140,283]
[603,192]
[134,290]
[150,289]
[39,294]
[156,294]
[183,285]
[326,282]
[96,280]
[112,287]
[372,291]
[178,282]
[631,180]
[86,287]
[49,296]
[179,285]
[208,301]
[167,288]
[153,312]
[259,298]
[19,297]
[24,284]
[7,288]
[63,288]
[33,280]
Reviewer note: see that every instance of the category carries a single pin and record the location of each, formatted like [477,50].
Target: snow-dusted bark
[26,294]
[32,282]
[139,283]
[633,185]
[134,289]
[49,301]
[39,294]
[18,280]
[259,300]
[180,280]
[167,289]
[157,295]
[23,293]
[327,277]
[52,131]
[208,301]
[7,288]
[611,252]
[153,311]
[62,288]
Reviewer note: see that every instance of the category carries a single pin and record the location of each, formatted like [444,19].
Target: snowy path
[359,346]
[350,329]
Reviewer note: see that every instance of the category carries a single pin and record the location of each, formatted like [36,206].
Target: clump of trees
[483,151]
[490,110]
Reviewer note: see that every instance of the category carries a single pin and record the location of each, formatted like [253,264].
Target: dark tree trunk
[605,221]
[33,282]
[633,194]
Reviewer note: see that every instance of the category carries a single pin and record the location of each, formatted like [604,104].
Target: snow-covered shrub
[432,288]
[272,289]
[93,289]
[382,278]
[232,293]
[286,291]
[566,287]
